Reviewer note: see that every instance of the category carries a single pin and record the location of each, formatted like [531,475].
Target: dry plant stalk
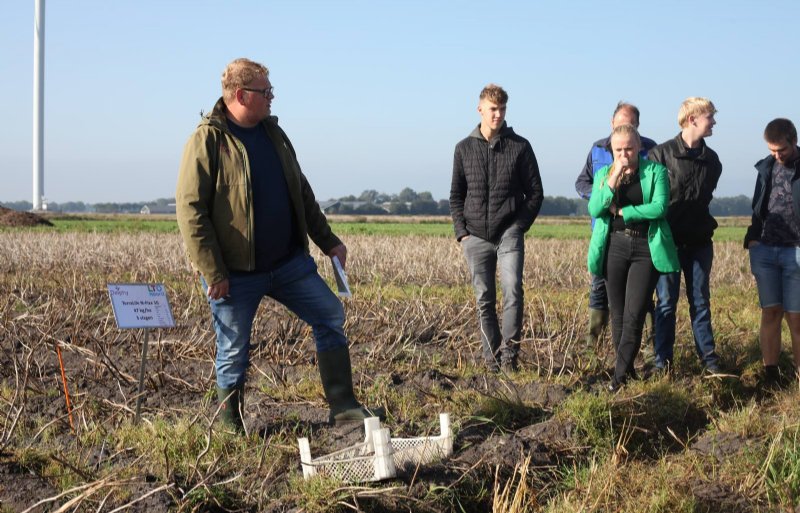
[515,495]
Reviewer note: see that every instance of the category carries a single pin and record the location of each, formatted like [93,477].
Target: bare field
[547,438]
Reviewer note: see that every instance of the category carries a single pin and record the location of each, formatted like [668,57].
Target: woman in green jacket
[631,241]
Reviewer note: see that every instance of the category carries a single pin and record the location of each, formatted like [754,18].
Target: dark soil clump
[21,487]
[720,445]
[715,496]
[12,218]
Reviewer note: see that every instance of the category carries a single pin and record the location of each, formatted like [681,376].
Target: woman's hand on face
[619,168]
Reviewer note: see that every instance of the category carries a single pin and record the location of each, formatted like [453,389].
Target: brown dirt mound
[10,217]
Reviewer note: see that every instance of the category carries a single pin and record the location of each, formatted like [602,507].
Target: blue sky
[375,94]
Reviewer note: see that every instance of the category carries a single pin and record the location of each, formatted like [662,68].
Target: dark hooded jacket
[495,184]
[761,196]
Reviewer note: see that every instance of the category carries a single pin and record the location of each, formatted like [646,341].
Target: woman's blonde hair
[628,130]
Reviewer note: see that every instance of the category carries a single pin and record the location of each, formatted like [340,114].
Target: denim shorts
[777,272]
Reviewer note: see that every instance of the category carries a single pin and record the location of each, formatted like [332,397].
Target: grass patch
[123,225]
[555,227]
[782,468]
[179,447]
[591,414]
[319,494]
[508,413]
[209,498]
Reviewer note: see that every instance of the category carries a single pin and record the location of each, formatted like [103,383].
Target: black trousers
[630,281]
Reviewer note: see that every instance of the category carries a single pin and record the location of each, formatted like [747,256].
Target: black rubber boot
[231,401]
[509,358]
[598,320]
[336,374]
[773,377]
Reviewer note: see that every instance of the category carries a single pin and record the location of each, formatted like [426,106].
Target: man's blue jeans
[484,258]
[598,296]
[297,285]
[696,267]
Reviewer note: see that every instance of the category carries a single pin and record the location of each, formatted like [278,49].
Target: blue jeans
[484,258]
[696,267]
[598,296]
[297,286]
[777,273]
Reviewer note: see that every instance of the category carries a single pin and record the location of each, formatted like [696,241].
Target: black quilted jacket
[691,187]
[495,183]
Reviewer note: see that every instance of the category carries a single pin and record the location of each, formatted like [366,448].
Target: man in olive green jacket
[245,211]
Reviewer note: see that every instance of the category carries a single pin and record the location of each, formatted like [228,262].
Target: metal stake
[140,395]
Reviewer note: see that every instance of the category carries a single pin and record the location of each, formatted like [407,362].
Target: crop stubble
[412,327]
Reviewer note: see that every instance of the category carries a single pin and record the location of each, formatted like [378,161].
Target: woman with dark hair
[631,242]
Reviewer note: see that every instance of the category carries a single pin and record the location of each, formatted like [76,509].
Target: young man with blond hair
[694,170]
[495,196]
[773,240]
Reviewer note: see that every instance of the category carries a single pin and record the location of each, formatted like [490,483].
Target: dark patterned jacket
[495,184]
[761,196]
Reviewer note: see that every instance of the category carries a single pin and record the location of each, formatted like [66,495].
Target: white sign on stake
[140,305]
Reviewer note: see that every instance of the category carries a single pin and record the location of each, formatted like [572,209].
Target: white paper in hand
[341,278]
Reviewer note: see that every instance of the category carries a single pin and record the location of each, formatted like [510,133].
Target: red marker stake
[66,390]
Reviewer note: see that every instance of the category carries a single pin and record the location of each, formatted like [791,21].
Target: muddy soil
[103,377]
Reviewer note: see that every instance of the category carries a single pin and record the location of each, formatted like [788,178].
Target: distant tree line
[409,202]
[371,202]
[100,208]
[406,202]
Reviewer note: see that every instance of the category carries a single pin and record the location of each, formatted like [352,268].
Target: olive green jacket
[655,195]
[214,198]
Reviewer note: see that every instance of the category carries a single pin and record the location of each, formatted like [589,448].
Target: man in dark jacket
[599,157]
[694,170]
[495,196]
[773,240]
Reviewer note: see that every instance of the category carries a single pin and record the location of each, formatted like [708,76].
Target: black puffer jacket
[691,187]
[495,183]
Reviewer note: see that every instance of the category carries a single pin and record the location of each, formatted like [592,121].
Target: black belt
[629,232]
[693,246]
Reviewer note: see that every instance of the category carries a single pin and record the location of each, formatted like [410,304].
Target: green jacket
[655,193]
[214,198]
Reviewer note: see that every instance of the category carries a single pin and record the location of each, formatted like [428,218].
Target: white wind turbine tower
[38,104]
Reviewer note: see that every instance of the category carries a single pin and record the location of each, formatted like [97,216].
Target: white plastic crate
[379,456]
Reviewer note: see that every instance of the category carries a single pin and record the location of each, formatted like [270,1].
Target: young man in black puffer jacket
[694,170]
[495,196]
